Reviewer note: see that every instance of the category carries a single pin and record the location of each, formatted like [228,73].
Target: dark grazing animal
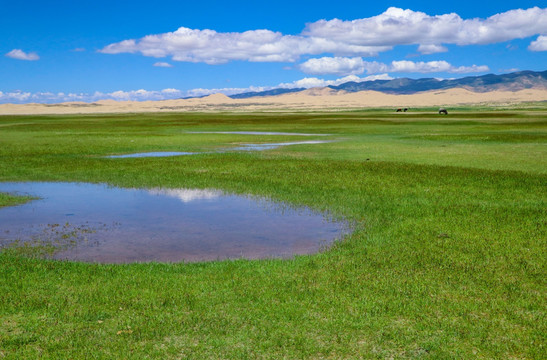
[443,111]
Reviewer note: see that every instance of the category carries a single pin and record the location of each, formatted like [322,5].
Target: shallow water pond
[271,146]
[242,147]
[255,133]
[99,223]
[152,154]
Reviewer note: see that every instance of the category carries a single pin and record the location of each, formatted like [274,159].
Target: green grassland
[447,260]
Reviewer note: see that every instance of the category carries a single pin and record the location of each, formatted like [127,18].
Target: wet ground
[255,133]
[99,223]
[271,146]
[151,154]
[242,147]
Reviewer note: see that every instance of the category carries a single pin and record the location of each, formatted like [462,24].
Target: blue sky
[55,51]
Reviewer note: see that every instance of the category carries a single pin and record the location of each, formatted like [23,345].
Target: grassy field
[447,261]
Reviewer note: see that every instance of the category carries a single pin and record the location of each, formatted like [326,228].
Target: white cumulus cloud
[141,95]
[316,82]
[211,47]
[20,97]
[540,44]
[355,66]
[404,27]
[226,91]
[333,65]
[356,38]
[21,55]
[433,67]
[431,49]
[17,96]
[163,64]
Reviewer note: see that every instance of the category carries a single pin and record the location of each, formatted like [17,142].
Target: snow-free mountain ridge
[515,81]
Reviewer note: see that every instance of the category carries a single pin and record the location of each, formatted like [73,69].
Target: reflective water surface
[151,154]
[271,146]
[255,133]
[98,223]
[243,147]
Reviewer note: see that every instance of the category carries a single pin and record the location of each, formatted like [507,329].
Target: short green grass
[11,200]
[447,260]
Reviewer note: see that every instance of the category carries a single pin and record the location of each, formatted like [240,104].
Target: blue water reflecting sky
[135,225]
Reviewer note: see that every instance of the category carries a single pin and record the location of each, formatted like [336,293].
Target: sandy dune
[312,99]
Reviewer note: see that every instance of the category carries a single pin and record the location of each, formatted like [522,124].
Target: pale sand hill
[312,99]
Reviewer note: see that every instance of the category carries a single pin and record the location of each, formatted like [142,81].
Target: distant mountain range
[506,82]
[266,93]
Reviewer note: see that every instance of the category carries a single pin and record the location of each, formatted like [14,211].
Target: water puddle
[255,133]
[271,146]
[98,223]
[151,154]
[243,147]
